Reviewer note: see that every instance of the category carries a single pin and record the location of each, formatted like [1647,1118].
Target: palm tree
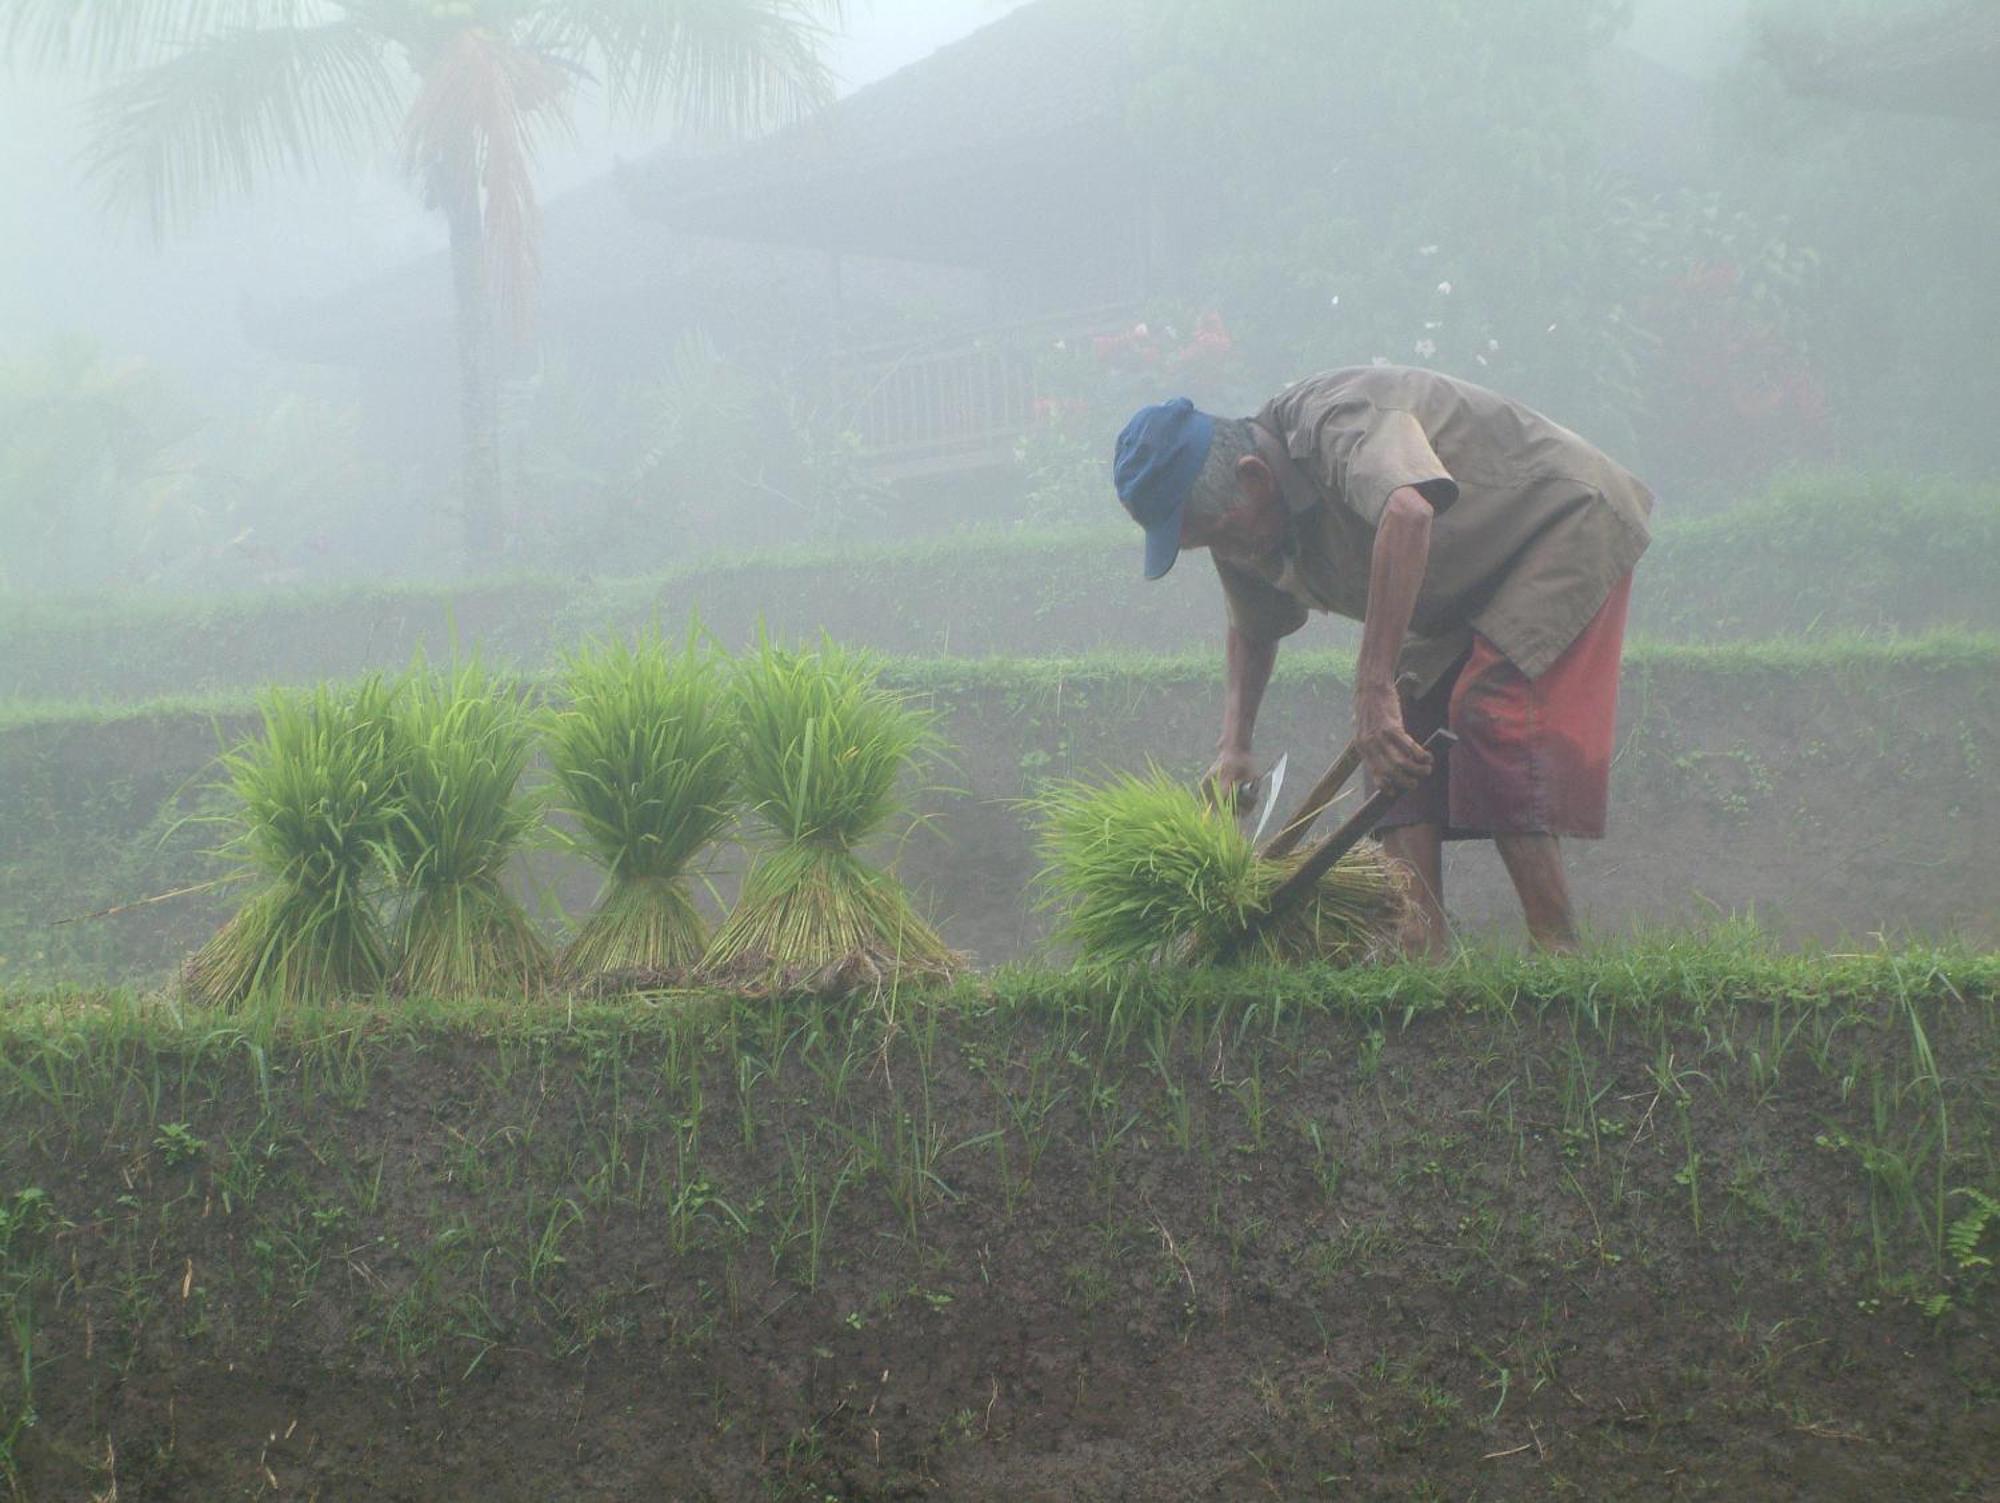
[204,98]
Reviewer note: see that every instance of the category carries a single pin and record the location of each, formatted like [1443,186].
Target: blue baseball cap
[1160,455]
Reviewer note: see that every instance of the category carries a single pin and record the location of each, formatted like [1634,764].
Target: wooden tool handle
[1324,792]
[1300,884]
[1317,798]
[1360,824]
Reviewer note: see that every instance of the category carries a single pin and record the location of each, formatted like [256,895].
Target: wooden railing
[954,404]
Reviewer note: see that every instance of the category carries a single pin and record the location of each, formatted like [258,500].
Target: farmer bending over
[1487,553]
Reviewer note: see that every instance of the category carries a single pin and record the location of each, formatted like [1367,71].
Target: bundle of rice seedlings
[824,748]
[462,742]
[1143,869]
[317,804]
[643,762]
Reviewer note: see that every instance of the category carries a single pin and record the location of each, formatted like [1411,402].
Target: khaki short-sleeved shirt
[1533,528]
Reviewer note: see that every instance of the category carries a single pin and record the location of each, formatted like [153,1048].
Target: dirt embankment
[1834,801]
[1245,1247]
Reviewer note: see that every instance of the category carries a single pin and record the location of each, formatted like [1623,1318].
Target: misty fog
[1652,223]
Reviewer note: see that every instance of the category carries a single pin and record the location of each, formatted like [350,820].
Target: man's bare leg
[1536,865]
[1421,849]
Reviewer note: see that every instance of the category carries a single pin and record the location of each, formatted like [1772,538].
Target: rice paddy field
[521,1132]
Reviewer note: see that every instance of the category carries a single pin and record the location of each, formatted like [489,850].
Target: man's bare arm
[1249,661]
[1395,575]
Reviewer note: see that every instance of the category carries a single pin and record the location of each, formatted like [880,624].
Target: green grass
[1866,517]
[1691,978]
[1942,651]
[1842,551]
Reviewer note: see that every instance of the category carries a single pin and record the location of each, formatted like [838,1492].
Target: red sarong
[1534,755]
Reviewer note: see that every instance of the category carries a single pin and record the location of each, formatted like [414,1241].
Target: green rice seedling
[643,763]
[1141,866]
[317,803]
[462,741]
[825,748]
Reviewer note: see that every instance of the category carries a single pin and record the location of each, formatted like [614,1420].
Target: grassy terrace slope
[1835,788]
[1676,1222]
[1839,555]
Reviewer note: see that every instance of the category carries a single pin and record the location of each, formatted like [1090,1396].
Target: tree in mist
[204,98]
[1432,185]
[83,439]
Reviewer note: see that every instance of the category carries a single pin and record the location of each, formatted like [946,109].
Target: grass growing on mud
[1668,1205]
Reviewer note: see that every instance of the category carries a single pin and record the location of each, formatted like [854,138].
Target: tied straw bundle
[643,766]
[1141,866]
[460,746]
[317,802]
[824,748]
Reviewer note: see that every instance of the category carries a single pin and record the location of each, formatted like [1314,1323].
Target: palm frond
[183,134]
[728,65]
[485,103]
[102,35]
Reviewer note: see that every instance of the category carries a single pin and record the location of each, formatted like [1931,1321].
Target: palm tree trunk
[478,393]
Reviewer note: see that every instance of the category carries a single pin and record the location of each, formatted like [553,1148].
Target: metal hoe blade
[1274,784]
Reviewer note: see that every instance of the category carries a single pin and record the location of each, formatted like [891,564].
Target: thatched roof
[1008,147]
[923,160]
[1020,130]
[1943,59]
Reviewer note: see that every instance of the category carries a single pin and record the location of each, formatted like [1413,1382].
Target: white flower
[1445,288]
[1433,323]
[1492,346]
[1427,348]
[1334,301]
[1427,250]
[1062,344]
[1141,330]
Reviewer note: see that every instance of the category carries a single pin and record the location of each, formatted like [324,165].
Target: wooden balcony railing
[957,404]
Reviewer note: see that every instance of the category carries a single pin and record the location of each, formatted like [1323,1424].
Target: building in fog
[1939,60]
[899,259]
